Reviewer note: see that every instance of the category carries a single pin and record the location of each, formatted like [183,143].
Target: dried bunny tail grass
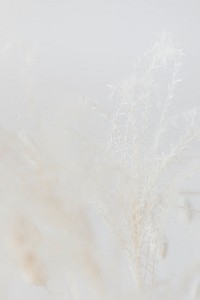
[23,244]
[138,180]
[135,142]
[69,215]
[34,269]
[136,225]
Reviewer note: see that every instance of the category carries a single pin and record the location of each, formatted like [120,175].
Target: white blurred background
[57,51]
